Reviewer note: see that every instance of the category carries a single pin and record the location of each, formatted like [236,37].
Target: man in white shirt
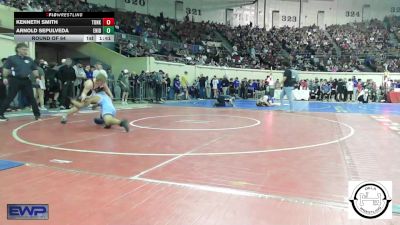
[271,85]
[80,77]
[215,83]
[363,96]
[99,69]
[349,89]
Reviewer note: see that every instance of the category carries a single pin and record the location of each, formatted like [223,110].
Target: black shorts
[54,89]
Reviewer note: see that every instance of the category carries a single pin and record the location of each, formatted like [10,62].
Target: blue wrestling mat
[6,164]
[304,106]
[396,209]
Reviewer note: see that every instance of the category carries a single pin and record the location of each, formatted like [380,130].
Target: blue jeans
[202,92]
[288,92]
[171,94]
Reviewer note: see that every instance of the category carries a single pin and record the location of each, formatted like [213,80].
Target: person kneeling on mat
[266,100]
[363,96]
[108,110]
[225,100]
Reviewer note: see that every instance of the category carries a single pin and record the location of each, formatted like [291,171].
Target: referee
[21,67]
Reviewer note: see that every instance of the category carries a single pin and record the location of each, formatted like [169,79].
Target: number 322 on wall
[136,2]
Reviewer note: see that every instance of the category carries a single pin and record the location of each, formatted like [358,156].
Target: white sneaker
[63,119]
[43,108]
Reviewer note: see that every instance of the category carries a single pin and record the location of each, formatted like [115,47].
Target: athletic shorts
[107,107]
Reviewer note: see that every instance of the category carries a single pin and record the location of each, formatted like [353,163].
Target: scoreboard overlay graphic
[64,26]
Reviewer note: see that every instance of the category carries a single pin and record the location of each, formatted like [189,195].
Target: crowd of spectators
[363,47]
[360,38]
[54,5]
[394,25]
[210,87]
[352,47]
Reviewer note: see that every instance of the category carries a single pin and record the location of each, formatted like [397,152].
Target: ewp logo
[27,211]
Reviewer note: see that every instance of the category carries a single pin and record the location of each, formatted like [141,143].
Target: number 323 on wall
[289,18]
[136,2]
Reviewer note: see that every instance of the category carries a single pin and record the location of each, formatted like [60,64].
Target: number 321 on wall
[193,11]
[136,2]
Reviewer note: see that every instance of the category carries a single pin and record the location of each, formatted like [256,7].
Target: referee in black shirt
[20,67]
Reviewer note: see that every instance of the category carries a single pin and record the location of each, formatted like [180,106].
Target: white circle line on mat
[256,123]
[19,139]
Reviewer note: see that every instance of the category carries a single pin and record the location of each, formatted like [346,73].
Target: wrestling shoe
[64,119]
[98,121]
[125,125]
[3,118]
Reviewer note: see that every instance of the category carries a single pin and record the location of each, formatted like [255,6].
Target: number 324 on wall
[136,2]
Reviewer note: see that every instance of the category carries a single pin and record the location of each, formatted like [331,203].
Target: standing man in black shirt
[159,81]
[168,83]
[16,73]
[225,85]
[3,88]
[243,88]
[289,80]
[67,76]
[202,83]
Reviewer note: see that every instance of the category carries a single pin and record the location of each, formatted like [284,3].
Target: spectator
[225,85]
[208,88]
[243,88]
[67,76]
[363,96]
[123,81]
[110,81]
[89,72]
[325,91]
[80,78]
[341,89]
[236,85]
[185,84]
[99,69]
[159,81]
[3,88]
[39,87]
[52,85]
[202,85]
[177,86]
[214,86]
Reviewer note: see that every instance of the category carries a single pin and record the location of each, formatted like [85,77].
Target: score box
[108,30]
[108,22]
